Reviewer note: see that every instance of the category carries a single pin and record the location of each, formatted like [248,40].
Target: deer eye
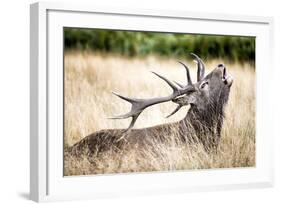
[202,86]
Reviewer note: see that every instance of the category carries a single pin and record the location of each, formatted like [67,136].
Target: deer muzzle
[226,78]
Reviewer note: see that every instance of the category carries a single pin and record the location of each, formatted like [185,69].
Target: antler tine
[134,113]
[189,81]
[130,114]
[131,100]
[177,109]
[180,85]
[134,119]
[201,67]
[167,81]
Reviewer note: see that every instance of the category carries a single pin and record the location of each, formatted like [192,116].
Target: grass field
[89,80]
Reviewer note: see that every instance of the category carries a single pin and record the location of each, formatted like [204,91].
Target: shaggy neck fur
[204,125]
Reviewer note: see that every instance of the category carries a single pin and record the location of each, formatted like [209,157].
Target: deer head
[209,91]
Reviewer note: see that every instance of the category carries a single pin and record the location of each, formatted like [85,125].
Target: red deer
[203,122]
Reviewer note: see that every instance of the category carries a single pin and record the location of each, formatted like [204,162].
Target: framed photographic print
[129,102]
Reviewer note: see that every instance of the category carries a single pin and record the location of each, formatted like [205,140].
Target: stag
[202,123]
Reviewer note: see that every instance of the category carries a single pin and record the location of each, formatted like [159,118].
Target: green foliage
[131,43]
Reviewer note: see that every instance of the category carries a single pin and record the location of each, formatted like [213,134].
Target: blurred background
[142,44]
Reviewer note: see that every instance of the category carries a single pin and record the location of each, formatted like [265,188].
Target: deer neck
[203,122]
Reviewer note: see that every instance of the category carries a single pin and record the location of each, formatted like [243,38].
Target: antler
[189,81]
[138,105]
[201,67]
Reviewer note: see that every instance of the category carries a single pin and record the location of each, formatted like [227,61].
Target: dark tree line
[128,43]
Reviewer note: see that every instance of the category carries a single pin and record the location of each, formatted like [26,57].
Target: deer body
[202,123]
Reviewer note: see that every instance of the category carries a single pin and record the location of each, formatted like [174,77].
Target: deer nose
[220,65]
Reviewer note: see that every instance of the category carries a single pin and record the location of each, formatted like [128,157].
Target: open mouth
[224,74]
[227,79]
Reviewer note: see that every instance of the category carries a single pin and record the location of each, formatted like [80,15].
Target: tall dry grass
[89,80]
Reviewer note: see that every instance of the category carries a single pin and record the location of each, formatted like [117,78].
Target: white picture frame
[47,182]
